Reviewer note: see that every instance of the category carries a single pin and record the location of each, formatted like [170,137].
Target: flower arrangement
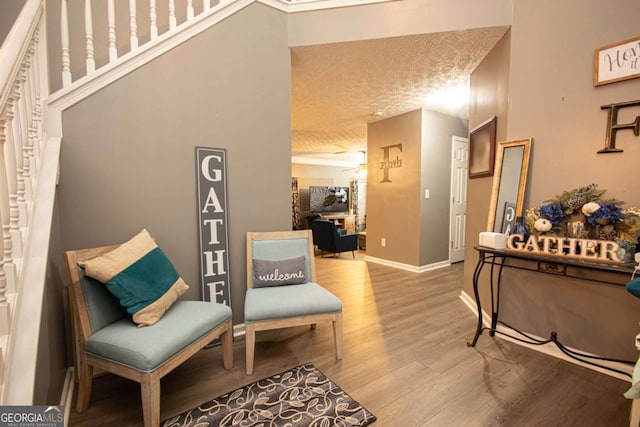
[587,214]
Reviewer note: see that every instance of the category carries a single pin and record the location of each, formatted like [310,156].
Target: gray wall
[553,100]
[489,95]
[416,229]
[437,132]
[54,345]
[9,11]
[393,208]
[128,157]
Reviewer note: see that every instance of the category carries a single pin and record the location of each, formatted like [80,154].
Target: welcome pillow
[141,276]
[281,272]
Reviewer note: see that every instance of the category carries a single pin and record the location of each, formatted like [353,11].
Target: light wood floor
[405,359]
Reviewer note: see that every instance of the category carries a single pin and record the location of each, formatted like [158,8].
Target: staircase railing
[28,168]
[150,32]
[148,36]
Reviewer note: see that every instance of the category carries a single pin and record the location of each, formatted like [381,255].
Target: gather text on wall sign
[387,162]
[613,126]
[212,225]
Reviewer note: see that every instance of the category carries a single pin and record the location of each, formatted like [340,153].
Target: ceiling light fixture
[361,170]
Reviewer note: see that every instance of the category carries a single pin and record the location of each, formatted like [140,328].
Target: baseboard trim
[548,349]
[239,330]
[407,267]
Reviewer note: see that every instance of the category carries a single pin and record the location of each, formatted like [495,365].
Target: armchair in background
[310,220]
[327,238]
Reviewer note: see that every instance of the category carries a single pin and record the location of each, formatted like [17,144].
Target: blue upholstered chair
[327,238]
[106,338]
[281,288]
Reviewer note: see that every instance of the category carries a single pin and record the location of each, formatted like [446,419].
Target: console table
[499,259]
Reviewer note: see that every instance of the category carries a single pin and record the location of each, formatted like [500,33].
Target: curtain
[354,202]
[295,205]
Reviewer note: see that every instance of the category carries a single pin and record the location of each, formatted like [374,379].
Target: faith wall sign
[613,126]
[388,162]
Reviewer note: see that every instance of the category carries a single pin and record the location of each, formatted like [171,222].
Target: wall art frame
[482,148]
[617,62]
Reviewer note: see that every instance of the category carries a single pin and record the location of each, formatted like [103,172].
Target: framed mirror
[482,143]
[509,184]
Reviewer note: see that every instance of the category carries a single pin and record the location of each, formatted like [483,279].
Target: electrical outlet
[383,242]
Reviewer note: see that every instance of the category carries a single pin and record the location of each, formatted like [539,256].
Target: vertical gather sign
[212,224]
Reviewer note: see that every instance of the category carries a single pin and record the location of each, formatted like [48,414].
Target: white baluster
[19,136]
[37,72]
[189,10]
[23,118]
[37,101]
[133,25]
[206,5]
[111,17]
[12,180]
[5,310]
[172,14]
[88,26]
[29,159]
[153,19]
[8,266]
[31,119]
[64,38]
[27,90]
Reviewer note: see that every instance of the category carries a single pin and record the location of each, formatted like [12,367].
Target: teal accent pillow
[634,287]
[144,281]
[281,272]
[141,276]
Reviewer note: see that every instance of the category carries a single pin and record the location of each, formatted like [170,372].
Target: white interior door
[458,220]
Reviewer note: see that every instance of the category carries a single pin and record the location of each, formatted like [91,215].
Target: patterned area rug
[302,396]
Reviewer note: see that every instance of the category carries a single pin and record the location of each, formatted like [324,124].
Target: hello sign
[617,61]
[212,224]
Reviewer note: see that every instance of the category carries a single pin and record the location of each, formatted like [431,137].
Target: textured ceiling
[337,88]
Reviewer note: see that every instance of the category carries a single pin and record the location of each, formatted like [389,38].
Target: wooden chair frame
[252,327]
[149,382]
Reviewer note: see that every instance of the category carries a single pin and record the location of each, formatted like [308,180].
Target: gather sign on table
[569,247]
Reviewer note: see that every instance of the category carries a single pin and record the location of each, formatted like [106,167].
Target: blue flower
[552,212]
[607,214]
